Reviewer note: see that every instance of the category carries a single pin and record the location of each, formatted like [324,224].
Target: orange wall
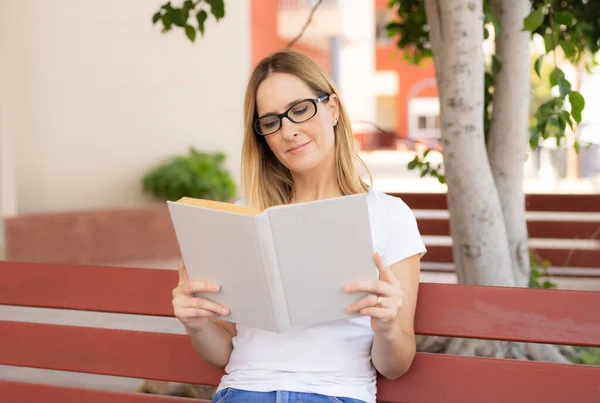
[264,38]
[390,58]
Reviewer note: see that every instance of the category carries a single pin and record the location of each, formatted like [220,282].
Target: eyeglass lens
[298,113]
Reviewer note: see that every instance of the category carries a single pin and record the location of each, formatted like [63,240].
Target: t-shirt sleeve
[403,236]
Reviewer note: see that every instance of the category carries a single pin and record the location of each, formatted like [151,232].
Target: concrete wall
[93,95]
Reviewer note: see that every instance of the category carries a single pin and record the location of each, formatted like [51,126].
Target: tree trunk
[508,135]
[480,246]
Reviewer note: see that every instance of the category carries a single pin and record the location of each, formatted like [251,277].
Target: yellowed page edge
[217,205]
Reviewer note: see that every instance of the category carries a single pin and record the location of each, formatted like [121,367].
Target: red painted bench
[528,315]
[576,217]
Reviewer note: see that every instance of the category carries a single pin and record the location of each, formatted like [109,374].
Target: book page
[217,205]
[221,247]
[322,246]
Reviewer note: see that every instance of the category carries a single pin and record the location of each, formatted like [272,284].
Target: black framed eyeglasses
[300,112]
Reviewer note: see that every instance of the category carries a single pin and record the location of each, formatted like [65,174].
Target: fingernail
[224,311]
[215,288]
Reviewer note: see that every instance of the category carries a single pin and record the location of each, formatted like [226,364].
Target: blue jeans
[231,395]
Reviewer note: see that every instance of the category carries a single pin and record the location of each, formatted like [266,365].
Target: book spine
[279,307]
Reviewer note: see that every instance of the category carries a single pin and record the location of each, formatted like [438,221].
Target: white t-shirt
[330,358]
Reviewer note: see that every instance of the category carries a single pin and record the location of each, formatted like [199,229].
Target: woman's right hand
[194,312]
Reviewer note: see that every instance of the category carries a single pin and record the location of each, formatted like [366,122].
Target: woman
[298,146]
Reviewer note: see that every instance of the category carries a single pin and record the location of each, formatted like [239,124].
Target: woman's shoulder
[387,203]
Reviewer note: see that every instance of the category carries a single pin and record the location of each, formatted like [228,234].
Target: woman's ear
[334,107]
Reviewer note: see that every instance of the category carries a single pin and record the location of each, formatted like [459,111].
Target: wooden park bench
[569,224]
[498,313]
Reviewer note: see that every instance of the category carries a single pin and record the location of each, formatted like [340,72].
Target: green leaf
[555,75]
[577,105]
[201,16]
[549,42]
[569,49]
[576,146]
[567,117]
[156,17]
[412,164]
[554,121]
[564,86]
[217,8]
[166,20]
[534,20]
[562,123]
[190,32]
[496,64]
[177,17]
[538,65]
[564,18]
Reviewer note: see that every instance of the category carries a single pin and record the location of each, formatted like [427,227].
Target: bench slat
[133,354]
[581,203]
[589,258]
[25,392]
[457,379]
[170,357]
[443,309]
[507,313]
[109,289]
[552,229]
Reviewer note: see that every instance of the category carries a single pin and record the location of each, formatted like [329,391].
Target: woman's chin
[302,166]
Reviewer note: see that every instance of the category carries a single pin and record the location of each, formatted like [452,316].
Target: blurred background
[103,117]
[94,97]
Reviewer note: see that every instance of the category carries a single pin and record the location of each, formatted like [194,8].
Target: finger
[372,286]
[183,275]
[200,303]
[202,286]
[384,271]
[191,313]
[370,301]
[383,314]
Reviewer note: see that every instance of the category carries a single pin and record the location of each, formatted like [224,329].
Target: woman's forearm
[213,342]
[393,352]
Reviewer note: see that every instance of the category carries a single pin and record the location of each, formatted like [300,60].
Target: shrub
[198,174]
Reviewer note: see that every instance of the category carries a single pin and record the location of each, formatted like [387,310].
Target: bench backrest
[497,313]
[146,234]
[556,217]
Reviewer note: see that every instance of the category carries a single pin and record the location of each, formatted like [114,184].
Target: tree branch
[306,24]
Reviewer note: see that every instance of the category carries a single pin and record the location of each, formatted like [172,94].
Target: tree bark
[508,135]
[480,245]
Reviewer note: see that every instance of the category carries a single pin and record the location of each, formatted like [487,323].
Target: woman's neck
[315,185]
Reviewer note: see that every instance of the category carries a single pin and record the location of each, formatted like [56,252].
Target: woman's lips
[298,148]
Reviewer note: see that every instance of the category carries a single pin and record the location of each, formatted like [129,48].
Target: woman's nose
[289,129]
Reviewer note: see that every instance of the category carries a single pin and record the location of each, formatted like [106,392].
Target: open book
[280,268]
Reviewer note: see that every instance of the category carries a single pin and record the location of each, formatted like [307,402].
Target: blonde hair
[267,182]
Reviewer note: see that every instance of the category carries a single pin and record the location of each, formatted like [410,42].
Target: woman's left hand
[385,302]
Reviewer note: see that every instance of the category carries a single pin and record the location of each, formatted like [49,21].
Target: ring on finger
[378,304]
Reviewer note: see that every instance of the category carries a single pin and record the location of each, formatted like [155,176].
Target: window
[428,122]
